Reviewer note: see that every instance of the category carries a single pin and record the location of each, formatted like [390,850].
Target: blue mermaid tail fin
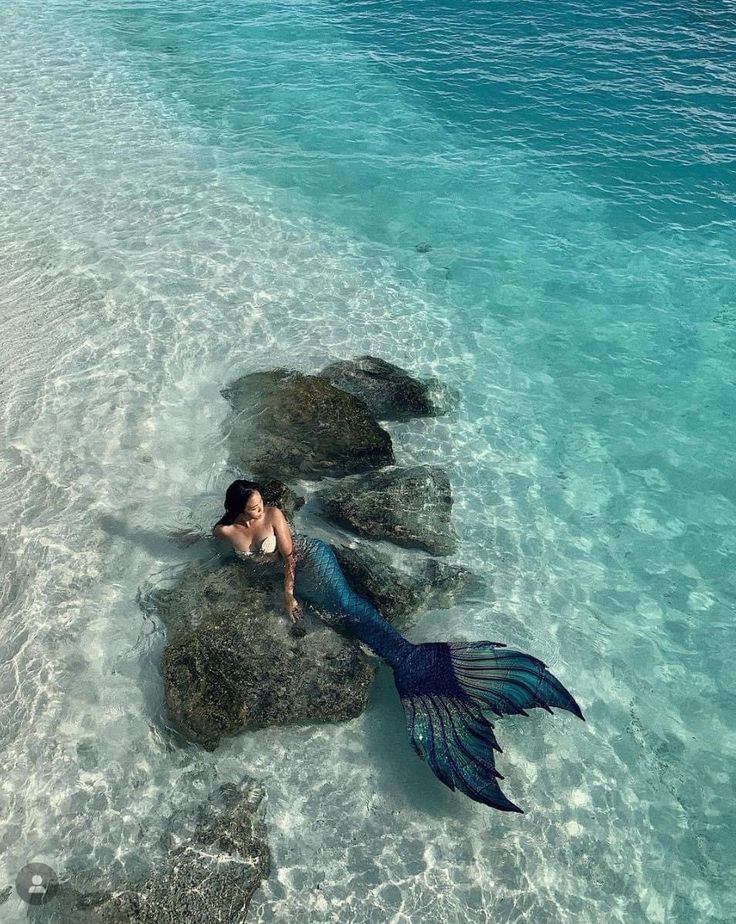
[457,742]
[507,682]
[446,690]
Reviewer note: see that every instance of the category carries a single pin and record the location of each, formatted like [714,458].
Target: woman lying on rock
[259,533]
[447,689]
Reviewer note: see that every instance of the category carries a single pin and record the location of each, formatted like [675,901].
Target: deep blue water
[535,201]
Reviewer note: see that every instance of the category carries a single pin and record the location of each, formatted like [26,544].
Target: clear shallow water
[190,194]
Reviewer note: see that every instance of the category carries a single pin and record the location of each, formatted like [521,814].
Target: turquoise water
[192,192]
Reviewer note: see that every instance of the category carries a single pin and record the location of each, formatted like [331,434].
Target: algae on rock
[288,425]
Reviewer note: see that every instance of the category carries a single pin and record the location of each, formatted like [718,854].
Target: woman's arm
[286,548]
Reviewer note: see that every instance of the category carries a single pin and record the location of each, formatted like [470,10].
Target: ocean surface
[535,201]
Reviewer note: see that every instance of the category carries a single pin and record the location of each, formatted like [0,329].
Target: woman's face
[253,509]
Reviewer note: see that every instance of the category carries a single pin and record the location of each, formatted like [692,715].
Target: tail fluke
[447,689]
[507,682]
[458,743]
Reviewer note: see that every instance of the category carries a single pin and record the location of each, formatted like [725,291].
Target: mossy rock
[231,662]
[391,392]
[209,875]
[398,592]
[409,506]
[289,425]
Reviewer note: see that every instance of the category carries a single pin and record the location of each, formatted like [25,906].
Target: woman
[447,689]
[259,532]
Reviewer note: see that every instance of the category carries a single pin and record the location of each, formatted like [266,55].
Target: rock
[398,592]
[409,506]
[277,494]
[289,425]
[231,662]
[390,392]
[209,876]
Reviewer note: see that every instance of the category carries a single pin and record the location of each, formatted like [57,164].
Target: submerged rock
[398,592]
[231,662]
[390,392]
[409,506]
[209,875]
[289,425]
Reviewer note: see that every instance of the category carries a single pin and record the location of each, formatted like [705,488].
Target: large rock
[409,506]
[231,662]
[390,392]
[289,425]
[399,591]
[209,875]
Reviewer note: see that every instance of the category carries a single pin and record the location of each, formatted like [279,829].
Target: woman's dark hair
[236,497]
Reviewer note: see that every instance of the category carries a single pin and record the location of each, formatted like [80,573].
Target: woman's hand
[291,605]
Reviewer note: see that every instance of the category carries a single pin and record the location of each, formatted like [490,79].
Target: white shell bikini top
[268,545]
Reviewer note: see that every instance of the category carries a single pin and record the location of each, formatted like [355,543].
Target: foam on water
[189,195]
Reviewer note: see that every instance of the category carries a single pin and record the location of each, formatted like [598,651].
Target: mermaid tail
[447,689]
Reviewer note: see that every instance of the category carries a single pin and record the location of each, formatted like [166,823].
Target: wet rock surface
[390,392]
[213,867]
[287,425]
[400,592]
[231,662]
[277,494]
[408,506]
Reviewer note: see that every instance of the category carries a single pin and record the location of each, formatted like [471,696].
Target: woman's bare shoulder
[221,531]
[276,515]
[279,523]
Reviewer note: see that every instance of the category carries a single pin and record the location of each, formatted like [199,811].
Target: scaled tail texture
[448,691]
[457,742]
